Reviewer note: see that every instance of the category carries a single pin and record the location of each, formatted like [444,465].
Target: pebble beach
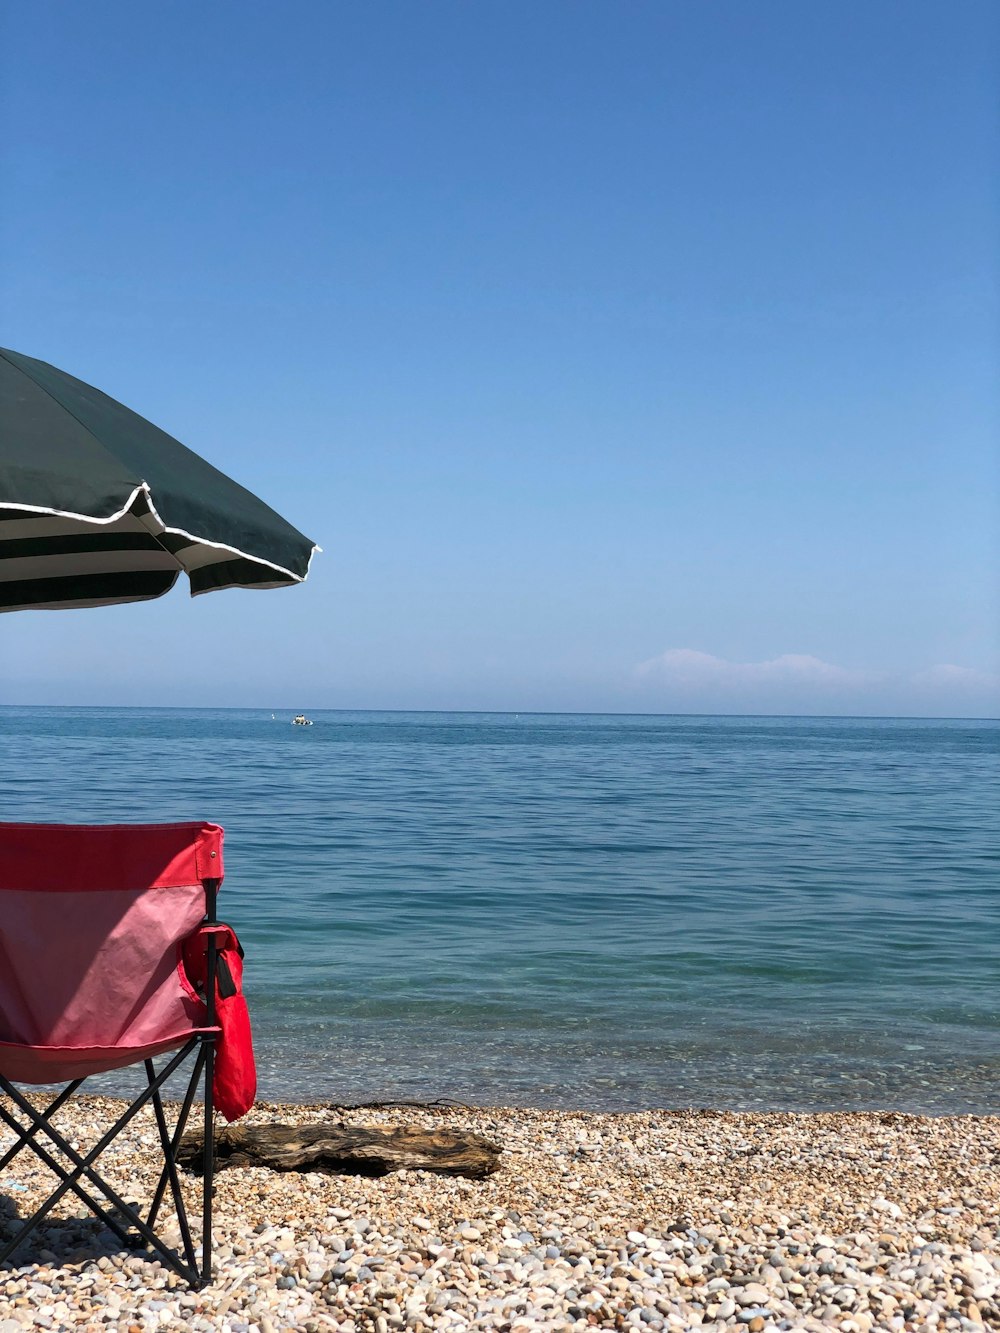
[654,1220]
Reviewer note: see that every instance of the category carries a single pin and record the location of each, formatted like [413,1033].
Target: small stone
[752,1293]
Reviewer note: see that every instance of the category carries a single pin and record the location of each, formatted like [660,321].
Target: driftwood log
[332,1147]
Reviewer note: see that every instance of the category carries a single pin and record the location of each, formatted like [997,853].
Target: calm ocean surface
[582,911]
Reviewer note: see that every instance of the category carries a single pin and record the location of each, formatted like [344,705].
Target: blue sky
[635,356]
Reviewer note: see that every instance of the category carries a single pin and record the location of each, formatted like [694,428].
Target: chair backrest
[91,922]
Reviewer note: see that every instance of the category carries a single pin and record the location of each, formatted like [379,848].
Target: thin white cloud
[963,678]
[689,678]
[688,667]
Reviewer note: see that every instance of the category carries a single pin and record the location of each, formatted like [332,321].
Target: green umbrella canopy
[98,505]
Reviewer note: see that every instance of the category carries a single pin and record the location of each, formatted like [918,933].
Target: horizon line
[515,712]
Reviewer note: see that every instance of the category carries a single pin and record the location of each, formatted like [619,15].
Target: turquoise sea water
[582,911]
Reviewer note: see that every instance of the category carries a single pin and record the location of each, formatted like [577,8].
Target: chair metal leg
[204,1066]
[84,1167]
[179,1129]
[170,1171]
[51,1109]
[98,1209]
[208,1161]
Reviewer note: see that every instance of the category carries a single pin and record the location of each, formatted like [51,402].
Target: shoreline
[656,1219]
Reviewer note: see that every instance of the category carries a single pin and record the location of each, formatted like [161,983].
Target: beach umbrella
[98,505]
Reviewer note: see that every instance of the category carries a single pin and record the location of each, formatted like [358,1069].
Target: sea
[601,912]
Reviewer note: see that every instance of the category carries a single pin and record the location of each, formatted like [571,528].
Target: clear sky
[629,356]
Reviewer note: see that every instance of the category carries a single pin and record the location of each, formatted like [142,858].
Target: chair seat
[61,1064]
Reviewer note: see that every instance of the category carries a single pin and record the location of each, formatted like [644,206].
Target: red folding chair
[111,955]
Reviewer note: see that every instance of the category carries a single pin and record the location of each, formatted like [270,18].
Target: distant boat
[300,720]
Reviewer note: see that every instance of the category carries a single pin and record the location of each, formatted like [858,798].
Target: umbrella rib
[165,527]
[81,518]
[222,546]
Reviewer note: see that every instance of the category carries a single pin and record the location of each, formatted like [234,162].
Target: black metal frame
[122,1214]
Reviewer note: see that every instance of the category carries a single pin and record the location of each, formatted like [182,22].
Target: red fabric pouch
[234,1082]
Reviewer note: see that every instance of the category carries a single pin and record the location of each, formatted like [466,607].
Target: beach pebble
[672,1226]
